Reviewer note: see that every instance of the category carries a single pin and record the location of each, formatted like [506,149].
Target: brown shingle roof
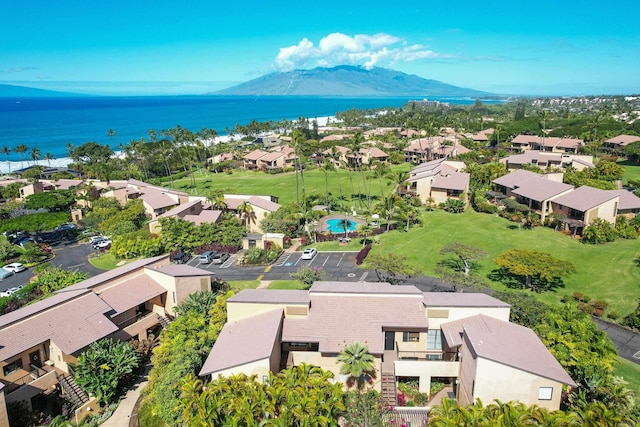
[242,342]
[267,205]
[508,344]
[254,155]
[157,199]
[623,140]
[517,178]
[180,209]
[204,217]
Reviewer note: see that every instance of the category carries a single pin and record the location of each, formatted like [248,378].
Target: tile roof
[242,342]
[145,186]
[457,299]
[584,198]
[267,205]
[452,181]
[180,270]
[270,296]
[157,199]
[270,157]
[362,288]
[542,189]
[517,178]
[365,316]
[623,140]
[71,326]
[205,217]
[508,344]
[131,293]
[628,200]
[180,209]
[254,155]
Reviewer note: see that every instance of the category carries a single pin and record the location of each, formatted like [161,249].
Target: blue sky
[165,47]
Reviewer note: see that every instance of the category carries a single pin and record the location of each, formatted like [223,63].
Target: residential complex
[39,341]
[463,339]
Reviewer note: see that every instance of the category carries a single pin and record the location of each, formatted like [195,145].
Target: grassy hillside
[606,272]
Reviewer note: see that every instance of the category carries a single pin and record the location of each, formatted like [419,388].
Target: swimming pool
[337,225]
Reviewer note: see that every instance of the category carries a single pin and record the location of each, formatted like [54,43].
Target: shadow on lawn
[513,281]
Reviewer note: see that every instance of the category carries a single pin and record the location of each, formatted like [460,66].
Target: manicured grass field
[287,284]
[631,171]
[283,185]
[107,261]
[239,285]
[606,272]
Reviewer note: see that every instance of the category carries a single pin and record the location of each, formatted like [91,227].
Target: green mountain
[14,91]
[347,80]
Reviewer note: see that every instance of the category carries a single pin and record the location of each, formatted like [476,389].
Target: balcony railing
[425,355]
[33,375]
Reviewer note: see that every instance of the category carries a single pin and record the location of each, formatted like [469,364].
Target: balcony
[33,383]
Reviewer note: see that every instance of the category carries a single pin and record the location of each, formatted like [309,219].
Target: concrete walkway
[122,415]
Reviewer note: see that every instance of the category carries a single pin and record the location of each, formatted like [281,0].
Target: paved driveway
[335,266]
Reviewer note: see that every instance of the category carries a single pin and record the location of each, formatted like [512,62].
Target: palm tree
[217,201]
[357,363]
[246,213]
[35,155]
[6,151]
[381,171]
[21,149]
[366,230]
[48,157]
[111,133]
[297,140]
[327,167]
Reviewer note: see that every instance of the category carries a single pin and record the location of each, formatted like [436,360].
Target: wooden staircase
[388,384]
[72,390]
[164,321]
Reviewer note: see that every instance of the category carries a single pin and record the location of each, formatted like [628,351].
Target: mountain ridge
[11,91]
[347,80]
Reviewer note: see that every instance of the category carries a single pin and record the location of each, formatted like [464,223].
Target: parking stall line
[340,260]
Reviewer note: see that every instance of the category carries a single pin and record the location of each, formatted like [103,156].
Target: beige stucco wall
[178,288]
[329,362]
[498,381]
[606,211]
[260,368]
[26,364]
[467,375]
[34,388]
[425,370]
[423,188]
[455,313]
[241,310]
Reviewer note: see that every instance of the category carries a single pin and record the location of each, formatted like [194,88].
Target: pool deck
[322,226]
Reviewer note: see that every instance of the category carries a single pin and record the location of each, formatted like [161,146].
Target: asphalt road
[69,254]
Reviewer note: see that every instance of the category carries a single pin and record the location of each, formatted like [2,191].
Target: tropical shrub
[307,275]
[363,254]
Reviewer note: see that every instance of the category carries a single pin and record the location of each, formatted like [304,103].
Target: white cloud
[361,49]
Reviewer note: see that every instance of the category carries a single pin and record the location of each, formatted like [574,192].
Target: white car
[10,291]
[14,267]
[309,253]
[102,244]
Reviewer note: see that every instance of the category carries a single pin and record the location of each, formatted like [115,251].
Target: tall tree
[538,270]
[21,149]
[6,150]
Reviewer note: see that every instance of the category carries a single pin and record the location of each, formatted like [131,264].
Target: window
[9,368]
[545,393]
[410,336]
[434,339]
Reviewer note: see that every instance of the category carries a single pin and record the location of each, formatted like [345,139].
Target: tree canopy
[536,271]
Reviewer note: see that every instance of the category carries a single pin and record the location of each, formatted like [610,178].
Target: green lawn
[239,285]
[283,185]
[630,372]
[605,272]
[107,261]
[631,171]
[287,284]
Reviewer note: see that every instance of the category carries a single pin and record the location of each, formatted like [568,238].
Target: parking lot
[335,265]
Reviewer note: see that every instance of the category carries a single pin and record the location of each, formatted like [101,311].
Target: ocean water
[50,124]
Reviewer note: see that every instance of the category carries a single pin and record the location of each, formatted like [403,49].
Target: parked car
[65,227]
[14,267]
[24,241]
[309,253]
[205,257]
[220,258]
[10,291]
[96,239]
[181,257]
[5,273]
[102,244]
